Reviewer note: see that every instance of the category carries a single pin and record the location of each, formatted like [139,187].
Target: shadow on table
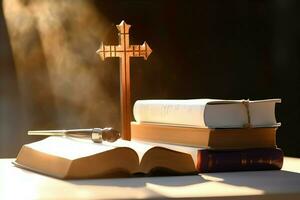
[142,181]
[266,181]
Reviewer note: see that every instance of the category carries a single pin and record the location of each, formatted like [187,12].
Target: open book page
[72,148]
[139,147]
[69,148]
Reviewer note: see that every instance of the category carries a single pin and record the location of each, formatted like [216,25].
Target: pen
[97,135]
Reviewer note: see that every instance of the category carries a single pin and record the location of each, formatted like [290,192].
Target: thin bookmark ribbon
[246,104]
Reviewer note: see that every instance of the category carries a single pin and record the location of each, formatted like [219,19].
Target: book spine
[239,160]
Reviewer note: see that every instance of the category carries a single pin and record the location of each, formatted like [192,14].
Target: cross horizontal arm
[106,51]
[140,50]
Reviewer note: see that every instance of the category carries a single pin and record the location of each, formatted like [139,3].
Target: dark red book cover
[240,160]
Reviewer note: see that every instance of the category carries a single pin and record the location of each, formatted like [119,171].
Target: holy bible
[70,158]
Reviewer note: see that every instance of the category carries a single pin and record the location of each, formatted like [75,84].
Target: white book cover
[208,113]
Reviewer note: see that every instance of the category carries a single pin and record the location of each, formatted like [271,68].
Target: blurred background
[51,77]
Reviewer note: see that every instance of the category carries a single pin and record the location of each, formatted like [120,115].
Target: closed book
[235,138]
[239,160]
[208,113]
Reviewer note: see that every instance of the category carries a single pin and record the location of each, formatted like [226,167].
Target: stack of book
[169,137]
[229,135]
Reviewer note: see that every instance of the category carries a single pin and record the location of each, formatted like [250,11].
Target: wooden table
[17,183]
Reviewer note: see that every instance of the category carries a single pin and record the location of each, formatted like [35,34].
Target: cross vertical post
[124,51]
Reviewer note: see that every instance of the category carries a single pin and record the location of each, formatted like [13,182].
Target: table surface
[16,183]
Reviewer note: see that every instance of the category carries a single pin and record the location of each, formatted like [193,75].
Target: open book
[69,158]
[207,113]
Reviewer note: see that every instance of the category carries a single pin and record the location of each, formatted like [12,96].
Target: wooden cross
[124,51]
